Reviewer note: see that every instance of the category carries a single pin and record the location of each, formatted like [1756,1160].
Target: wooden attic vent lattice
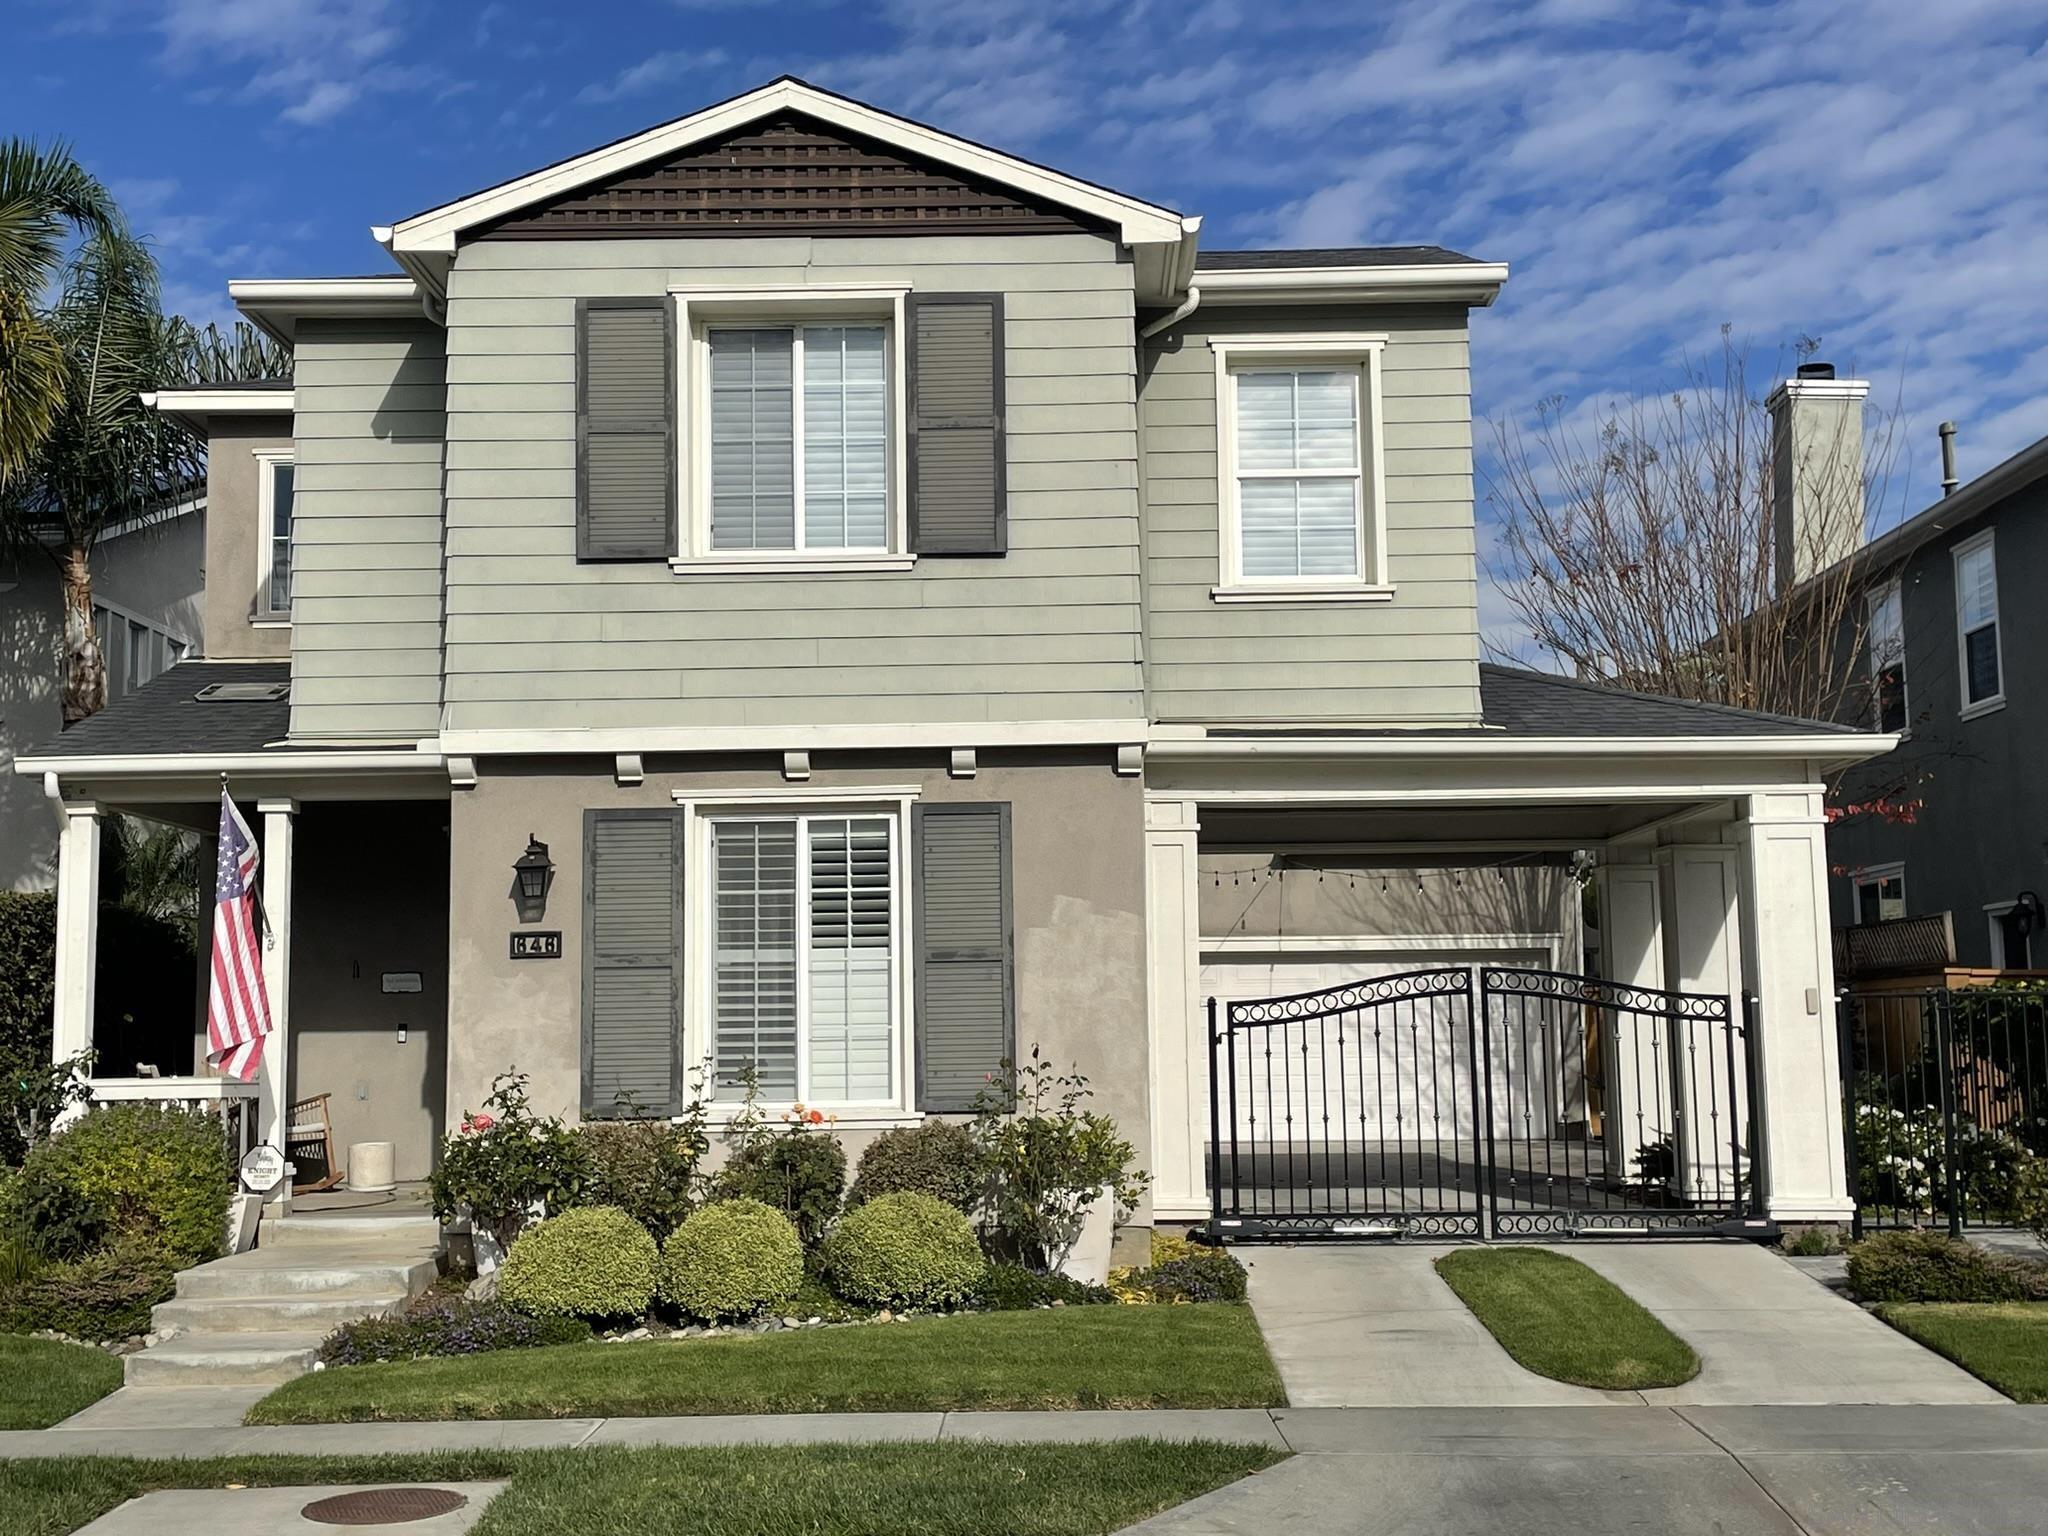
[786,174]
[243,693]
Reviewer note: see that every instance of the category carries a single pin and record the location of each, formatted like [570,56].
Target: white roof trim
[436,230]
[219,400]
[1843,747]
[1472,282]
[278,304]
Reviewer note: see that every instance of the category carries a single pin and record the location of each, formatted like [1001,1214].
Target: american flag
[237,1007]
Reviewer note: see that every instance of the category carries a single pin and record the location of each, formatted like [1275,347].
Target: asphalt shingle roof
[163,716]
[1329,256]
[1526,703]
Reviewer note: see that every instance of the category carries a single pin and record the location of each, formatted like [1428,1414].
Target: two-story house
[798,593]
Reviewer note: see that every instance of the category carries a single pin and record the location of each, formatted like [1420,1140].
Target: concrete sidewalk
[1374,1326]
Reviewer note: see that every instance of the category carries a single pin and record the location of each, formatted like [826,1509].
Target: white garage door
[1399,1071]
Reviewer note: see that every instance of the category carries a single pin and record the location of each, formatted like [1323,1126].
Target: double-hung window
[1301,484]
[274,488]
[1886,645]
[1981,665]
[1880,893]
[803,932]
[793,430]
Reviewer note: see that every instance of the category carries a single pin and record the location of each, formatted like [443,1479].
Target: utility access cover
[384,1506]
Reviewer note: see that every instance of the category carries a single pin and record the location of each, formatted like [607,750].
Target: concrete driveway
[1373,1326]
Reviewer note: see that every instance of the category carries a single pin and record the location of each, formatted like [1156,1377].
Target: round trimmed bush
[143,1170]
[594,1262]
[732,1258]
[904,1250]
[937,1158]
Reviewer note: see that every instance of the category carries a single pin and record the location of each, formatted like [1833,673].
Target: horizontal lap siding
[1048,631]
[1413,660]
[367,530]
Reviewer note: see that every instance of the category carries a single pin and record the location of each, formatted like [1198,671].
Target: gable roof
[424,244]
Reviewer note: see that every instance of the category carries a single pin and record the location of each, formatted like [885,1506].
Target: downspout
[53,791]
[1174,316]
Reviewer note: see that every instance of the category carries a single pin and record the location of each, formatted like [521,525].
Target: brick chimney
[1816,470]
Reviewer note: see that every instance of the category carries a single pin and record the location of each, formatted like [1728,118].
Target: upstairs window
[1301,500]
[1887,651]
[1880,893]
[274,546]
[1981,665]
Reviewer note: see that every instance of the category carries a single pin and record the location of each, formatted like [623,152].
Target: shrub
[505,1162]
[594,1262]
[798,1170]
[1929,1266]
[937,1158]
[731,1259]
[906,1250]
[1045,1162]
[141,1170]
[451,1327]
[102,1296]
[1212,1275]
[1813,1242]
[54,1217]
[647,1168]
[2030,1197]
[1013,1288]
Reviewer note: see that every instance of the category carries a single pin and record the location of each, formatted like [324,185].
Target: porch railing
[234,1102]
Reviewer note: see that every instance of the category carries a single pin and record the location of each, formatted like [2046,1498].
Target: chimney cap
[1814,371]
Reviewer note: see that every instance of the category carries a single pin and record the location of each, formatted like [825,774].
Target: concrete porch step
[298,1271]
[408,1227]
[325,1310]
[227,1359]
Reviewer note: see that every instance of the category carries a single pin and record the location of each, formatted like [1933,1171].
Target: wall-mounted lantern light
[533,868]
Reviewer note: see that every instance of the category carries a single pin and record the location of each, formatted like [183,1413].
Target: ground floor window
[1880,893]
[801,914]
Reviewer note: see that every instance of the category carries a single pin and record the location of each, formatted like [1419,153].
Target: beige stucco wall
[1247,895]
[233,541]
[1077,887]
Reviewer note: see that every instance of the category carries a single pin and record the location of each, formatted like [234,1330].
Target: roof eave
[1830,750]
[1476,283]
[277,305]
[192,408]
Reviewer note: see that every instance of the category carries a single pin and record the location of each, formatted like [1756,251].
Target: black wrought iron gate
[1481,1101]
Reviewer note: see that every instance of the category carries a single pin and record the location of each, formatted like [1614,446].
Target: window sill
[1347,592]
[1990,706]
[873,1118]
[271,622]
[797,565]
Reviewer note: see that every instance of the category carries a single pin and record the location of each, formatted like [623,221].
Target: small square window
[1881,894]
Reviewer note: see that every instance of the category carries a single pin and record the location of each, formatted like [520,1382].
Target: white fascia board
[436,229]
[1843,748]
[278,304]
[810,738]
[161,764]
[214,400]
[1476,282]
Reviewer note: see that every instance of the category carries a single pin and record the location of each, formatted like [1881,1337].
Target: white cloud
[671,67]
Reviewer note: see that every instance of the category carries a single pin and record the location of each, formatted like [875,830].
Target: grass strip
[1559,1319]
[1206,1356]
[2002,1343]
[45,1381]
[948,1489]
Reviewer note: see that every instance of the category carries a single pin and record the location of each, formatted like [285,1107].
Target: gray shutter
[632,961]
[958,482]
[966,989]
[625,429]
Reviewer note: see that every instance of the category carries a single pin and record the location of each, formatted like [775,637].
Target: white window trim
[1967,710]
[1249,353]
[1877,874]
[1877,594]
[700,810]
[1994,922]
[267,461]
[798,305]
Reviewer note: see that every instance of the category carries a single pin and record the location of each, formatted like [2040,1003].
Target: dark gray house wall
[1980,835]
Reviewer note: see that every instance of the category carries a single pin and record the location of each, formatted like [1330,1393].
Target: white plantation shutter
[754,956]
[753,422]
[1299,473]
[850,960]
[846,437]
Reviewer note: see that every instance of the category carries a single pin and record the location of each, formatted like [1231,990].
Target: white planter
[486,1251]
[1088,1260]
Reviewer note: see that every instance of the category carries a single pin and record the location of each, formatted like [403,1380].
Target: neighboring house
[1952,820]
[148,583]
[897,605]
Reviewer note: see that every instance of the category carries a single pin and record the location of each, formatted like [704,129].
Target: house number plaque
[537,946]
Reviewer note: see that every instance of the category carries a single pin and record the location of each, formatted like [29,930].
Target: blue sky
[1874,174]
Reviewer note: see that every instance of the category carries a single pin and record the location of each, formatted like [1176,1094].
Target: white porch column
[1703,954]
[1791,968]
[1179,1035]
[274,1079]
[78,926]
[1634,1071]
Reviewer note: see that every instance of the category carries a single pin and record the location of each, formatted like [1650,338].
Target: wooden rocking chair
[309,1137]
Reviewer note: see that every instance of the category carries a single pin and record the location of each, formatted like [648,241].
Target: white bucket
[372,1167]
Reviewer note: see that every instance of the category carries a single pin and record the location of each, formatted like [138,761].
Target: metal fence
[1945,1095]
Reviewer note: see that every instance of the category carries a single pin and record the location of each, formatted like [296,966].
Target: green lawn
[2003,1343]
[1207,1356]
[1561,1320]
[953,1489]
[43,1381]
